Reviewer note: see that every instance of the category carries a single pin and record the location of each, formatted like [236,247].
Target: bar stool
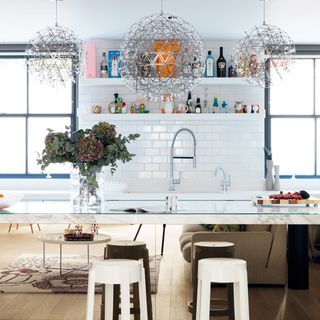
[134,250]
[117,272]
[212,249]
[223,270]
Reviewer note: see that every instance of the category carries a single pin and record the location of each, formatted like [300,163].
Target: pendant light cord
[161,12]
[264,12]
[56,13]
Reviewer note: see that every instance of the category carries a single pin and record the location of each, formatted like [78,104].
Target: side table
[58,238]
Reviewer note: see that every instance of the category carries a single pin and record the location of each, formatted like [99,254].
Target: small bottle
[232,71]
[209,66]
[190,103]
[198,106]
[103,66]
[221,65]
[215,104]
[205,106]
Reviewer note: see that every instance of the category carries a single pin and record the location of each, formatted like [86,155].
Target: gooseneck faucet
[172,157]
[225,183]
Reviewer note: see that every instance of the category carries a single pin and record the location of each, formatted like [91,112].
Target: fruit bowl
[9,199]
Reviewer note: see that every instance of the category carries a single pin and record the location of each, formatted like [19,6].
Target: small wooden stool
[212,249]
[133,250]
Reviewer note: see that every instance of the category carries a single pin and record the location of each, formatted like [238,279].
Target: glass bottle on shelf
[209,73]
[104,66]
[215,104]
[198,106]
[221,65]
[114,66]
[232,71]
[190,103]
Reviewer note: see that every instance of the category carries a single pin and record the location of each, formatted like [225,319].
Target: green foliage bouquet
[87,149]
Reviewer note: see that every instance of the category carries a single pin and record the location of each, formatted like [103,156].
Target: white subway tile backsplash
[236,145]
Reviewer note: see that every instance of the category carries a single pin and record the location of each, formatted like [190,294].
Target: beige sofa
[262,246]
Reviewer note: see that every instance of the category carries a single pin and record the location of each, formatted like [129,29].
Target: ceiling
[214,19]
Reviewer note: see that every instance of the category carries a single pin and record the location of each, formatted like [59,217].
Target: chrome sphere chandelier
[263,48]
[56,54]
[162,54]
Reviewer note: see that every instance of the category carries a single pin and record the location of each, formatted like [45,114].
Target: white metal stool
[222,270]
[122,272]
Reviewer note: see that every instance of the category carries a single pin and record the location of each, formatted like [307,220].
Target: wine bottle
[190,103]
[104,66]
[198,106]
[209,66]
[221,65]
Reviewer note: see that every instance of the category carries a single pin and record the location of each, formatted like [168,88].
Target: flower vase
[85,192]
[269,176]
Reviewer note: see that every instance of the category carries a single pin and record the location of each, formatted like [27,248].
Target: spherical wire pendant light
[56,54]
[263,47]
[162,54]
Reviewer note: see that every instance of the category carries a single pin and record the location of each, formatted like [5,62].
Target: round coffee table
[58,238]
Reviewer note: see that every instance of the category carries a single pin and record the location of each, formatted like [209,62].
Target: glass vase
[85,192]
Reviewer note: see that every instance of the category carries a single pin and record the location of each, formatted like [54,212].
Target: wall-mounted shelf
[90,82]
[173,116]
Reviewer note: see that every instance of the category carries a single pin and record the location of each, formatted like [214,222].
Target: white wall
[232,141]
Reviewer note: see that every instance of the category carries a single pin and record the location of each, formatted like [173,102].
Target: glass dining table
[297,218]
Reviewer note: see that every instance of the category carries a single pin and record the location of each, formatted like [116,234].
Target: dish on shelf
[9,200]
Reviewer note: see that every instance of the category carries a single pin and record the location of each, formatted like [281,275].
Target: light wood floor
[174,283]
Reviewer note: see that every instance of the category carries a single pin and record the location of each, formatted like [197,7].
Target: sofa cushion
[258,227]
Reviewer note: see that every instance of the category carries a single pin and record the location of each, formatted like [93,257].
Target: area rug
[27,275]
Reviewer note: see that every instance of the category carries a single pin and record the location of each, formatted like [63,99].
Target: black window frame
[18,51]
[301,50]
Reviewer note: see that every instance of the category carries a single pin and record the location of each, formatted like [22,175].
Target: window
[27,109]
[293,122]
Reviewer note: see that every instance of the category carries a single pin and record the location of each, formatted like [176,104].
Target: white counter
[189,212]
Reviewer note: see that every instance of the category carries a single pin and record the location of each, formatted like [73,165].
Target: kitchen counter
[189,212]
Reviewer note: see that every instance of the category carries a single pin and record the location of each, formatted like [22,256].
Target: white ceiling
[214,19]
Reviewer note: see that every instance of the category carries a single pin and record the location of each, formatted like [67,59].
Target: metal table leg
[298,259]
[60,259]
[44,255]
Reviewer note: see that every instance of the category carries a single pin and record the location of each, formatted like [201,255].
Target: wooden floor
[174,283]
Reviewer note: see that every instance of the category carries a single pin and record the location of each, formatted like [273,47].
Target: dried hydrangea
[89,149]
[105,131]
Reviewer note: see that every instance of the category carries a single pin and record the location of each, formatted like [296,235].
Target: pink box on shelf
[91,61]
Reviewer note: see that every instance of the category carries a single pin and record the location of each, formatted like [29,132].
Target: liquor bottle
[114,66]
[221,65]
[198,106]
[190,103]
[104,66]
[209,66]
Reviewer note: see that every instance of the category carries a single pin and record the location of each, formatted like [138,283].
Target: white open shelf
[172,116]
[90,82]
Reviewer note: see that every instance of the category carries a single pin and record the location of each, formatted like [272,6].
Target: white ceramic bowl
[9,200]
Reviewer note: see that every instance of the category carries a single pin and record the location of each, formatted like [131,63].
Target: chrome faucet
[172,157]
[226,181]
